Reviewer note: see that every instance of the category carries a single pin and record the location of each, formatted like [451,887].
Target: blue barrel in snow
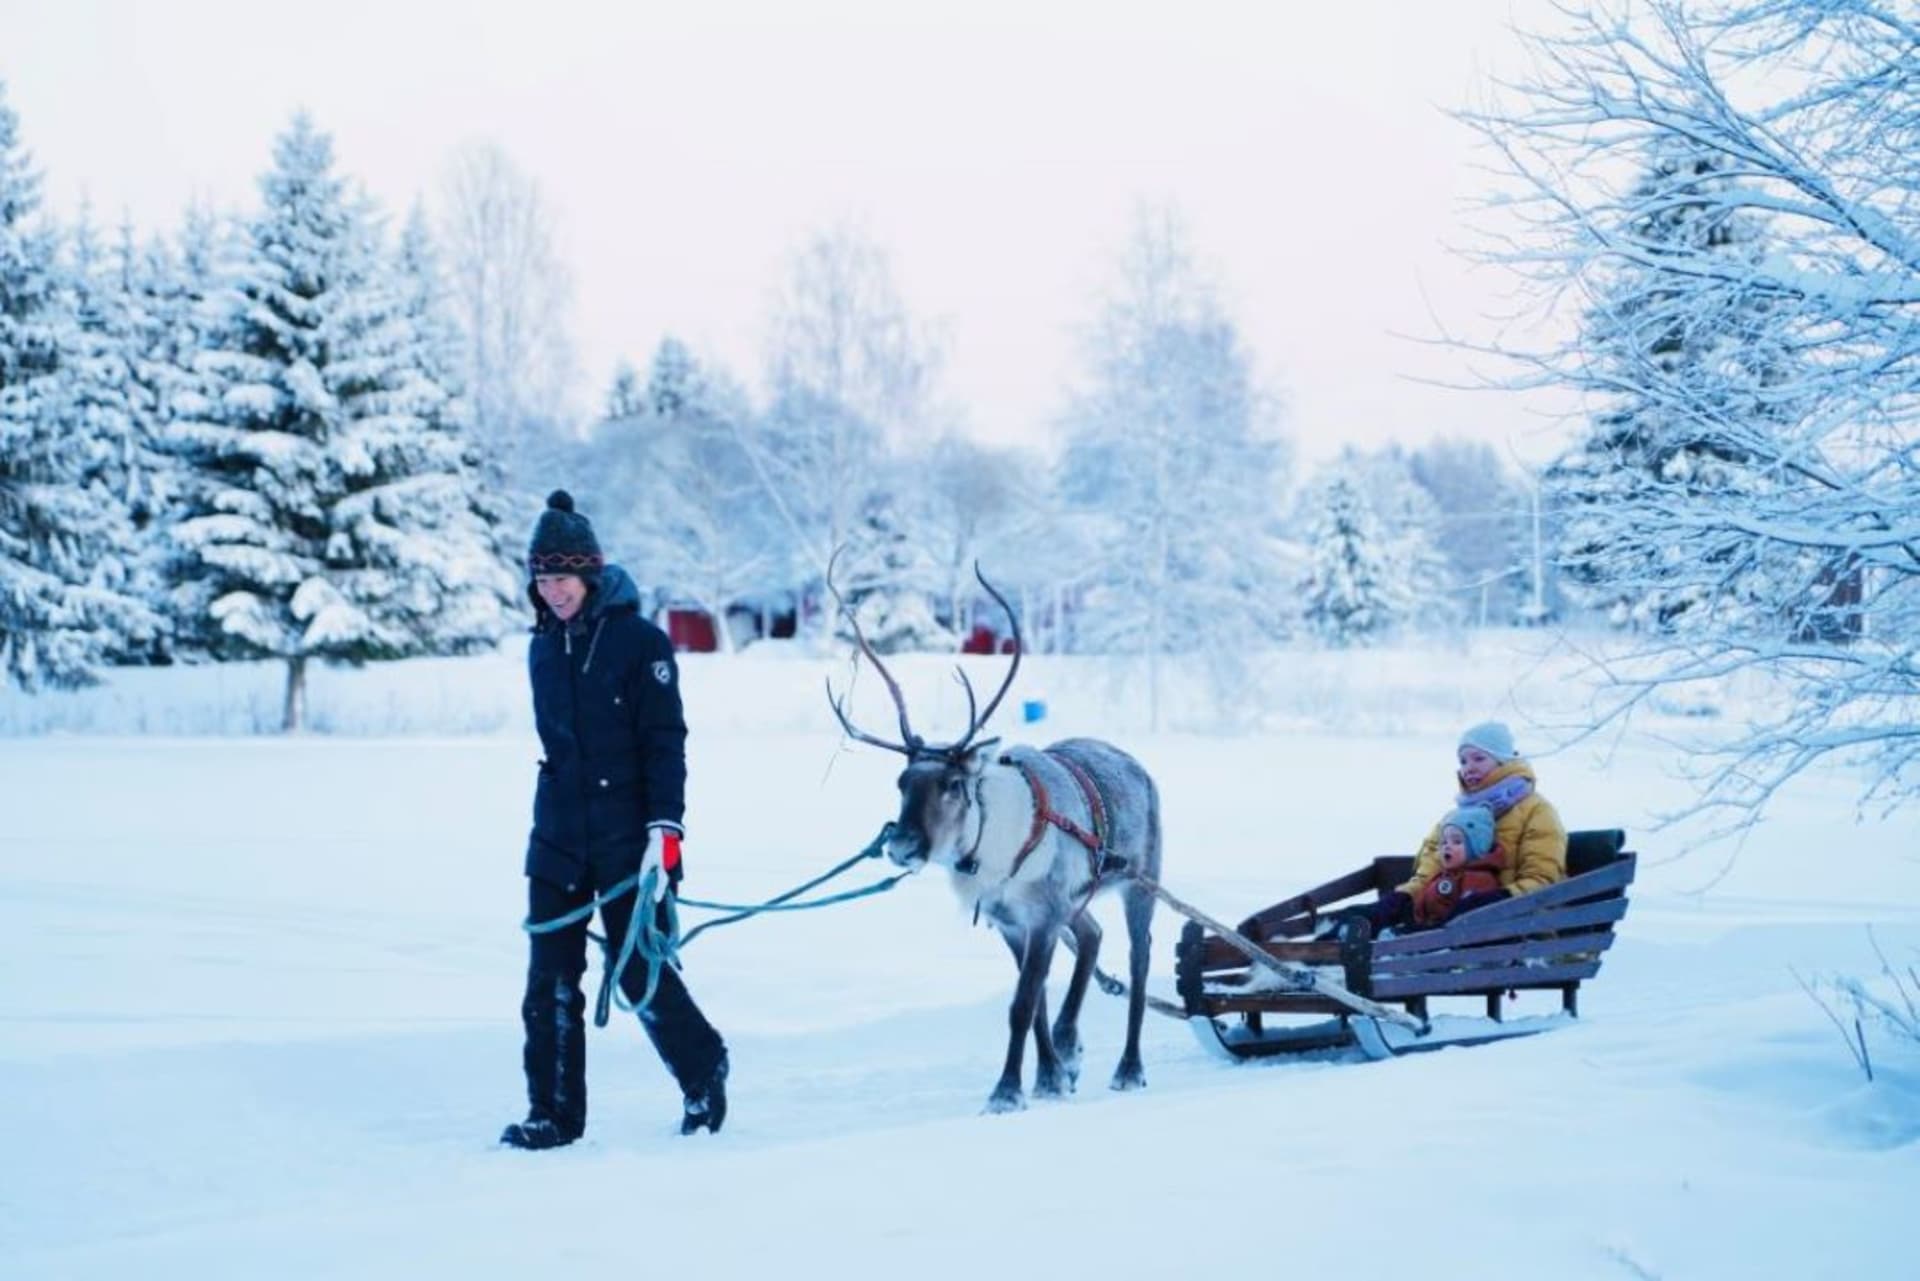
[1033,709]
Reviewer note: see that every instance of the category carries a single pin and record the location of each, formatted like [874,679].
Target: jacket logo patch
[663,672]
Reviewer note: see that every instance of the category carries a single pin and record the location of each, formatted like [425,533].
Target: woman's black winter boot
[538,1133]
[707,1106]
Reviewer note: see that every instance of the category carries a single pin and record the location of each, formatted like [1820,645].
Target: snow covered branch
[1725,191]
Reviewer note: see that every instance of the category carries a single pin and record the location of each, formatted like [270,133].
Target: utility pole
[1539,605]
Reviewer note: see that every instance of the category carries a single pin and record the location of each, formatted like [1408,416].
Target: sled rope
[657,944]
[1301,977]
[1115,986]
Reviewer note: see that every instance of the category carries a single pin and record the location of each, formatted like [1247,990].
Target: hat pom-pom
[560,500]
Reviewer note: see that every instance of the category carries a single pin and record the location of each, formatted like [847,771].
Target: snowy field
[259,1009]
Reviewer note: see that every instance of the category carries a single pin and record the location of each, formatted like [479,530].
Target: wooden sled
[1551,939]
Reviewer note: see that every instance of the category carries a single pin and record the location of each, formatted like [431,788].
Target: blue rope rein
[659,944]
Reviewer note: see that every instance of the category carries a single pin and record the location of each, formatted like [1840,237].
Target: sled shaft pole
[1308,980]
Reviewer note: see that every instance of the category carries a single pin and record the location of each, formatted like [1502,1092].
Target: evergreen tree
[335,510]
[1681,367]
[625,397]
[1409,520]
[191,301]
[892,583]
[675,382]
[124,376]
[63,538]
[1351,594]
[415,561]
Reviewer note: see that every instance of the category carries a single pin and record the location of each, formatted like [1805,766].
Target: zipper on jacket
[593,645]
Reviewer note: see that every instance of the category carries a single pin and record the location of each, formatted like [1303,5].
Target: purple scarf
[1500,797]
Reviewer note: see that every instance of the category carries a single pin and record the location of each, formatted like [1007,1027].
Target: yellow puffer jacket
[1531,833]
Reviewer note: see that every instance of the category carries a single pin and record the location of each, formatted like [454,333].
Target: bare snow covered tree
[680,494]
[1483,526]
[841,331]
[510,295]
[851,377]
[1810,111]
[1171,458]
[973,502]
[1678,373]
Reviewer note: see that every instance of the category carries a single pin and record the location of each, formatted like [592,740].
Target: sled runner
[1551,939]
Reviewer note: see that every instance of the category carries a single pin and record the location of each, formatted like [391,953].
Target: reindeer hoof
[1052,1085]
[1130,1078]
[1068,1051]
[1006,1100]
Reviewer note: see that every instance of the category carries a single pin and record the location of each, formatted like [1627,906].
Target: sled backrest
[1554,937]
[1590,851]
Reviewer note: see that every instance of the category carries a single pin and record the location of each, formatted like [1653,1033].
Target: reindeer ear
[977,756]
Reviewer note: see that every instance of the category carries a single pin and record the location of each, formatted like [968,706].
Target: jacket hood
[616,590]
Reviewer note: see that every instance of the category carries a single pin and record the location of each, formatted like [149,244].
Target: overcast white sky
[995,151]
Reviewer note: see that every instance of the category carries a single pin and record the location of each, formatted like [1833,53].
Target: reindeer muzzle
[906,848]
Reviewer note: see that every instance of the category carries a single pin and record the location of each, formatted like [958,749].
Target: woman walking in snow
[607,807]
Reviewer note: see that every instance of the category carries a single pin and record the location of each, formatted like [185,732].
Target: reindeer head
[938,794]
[940,786]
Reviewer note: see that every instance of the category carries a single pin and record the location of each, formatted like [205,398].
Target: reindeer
[1029,838]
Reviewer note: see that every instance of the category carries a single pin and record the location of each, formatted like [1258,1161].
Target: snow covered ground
[258,1011]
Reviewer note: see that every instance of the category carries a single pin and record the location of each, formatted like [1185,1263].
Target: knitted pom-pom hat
[1476,825]
[563,541]
[1493,738]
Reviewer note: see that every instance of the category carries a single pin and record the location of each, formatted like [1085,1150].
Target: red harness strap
[1044,813]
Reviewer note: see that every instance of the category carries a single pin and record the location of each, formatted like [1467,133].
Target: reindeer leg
[1050,1076]
[1034,951]
[1139,905]
[1066,1028]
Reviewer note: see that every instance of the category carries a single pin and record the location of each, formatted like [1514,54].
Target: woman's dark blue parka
[606,703]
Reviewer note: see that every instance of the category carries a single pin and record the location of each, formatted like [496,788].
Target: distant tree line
[304,432]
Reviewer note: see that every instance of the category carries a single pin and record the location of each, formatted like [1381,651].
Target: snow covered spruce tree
[626,395]
[135,316]
[1693,374]
[1356,588]
[63,532]
[1408,519]
[334,506]
[188,312]
[1171,460]
[891,580]
[1809,113]
[109,407]
[440,541]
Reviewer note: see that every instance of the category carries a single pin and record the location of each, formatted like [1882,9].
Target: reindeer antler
[977,723]
[910,742]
